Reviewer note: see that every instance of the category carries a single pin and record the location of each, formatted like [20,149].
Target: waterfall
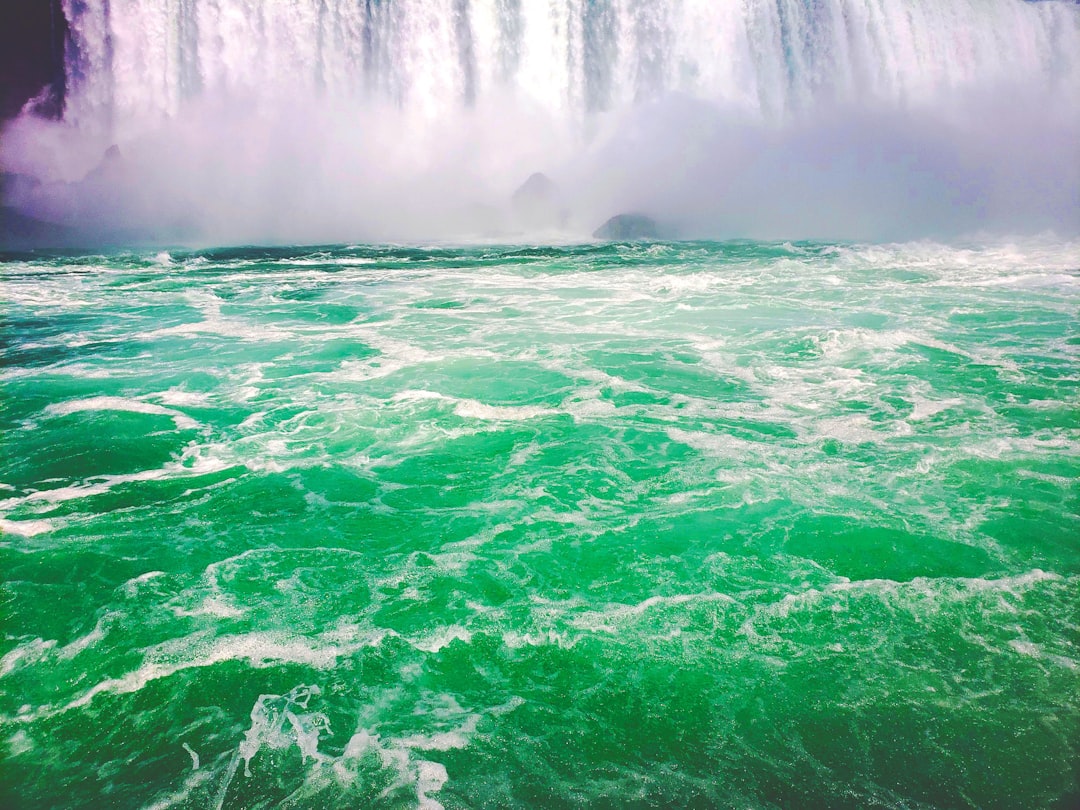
[133,62]
[334,120]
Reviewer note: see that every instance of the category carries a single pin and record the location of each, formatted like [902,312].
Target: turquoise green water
[698,525]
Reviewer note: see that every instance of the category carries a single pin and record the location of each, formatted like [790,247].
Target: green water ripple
[712,525]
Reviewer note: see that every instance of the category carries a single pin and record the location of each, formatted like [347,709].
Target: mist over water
[340,121]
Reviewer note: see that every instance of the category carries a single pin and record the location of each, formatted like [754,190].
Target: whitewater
[341,465]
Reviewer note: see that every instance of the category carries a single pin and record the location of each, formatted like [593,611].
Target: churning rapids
[684,525]
[440,502]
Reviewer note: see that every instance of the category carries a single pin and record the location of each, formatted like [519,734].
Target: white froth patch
[607,621]
[839,342]
[257,649]
[182,796]
[713,444]
[192,463]
[25,528]
[82,371]
[699,283]
[1026,445]
[471,409]
[920,595]
[26,654]
[182,421]
[211,606]
[442,638]
[925,408]
[443,740]
[418,395]
[292,720]
[431,776]
[589,407]
[19,743]
[214,323]
[1026,648]
[393,356]
[90,639]
[131,587]
[194,756]
[1038,651]
[252,420]
[857,429]
[180,398]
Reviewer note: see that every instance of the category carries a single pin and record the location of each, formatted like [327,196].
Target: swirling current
[735,524]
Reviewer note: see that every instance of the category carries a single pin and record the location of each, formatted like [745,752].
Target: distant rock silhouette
[111,165]
[32,42]
[536,203]
[628,227]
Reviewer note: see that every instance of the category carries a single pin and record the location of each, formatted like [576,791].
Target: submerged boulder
[628,227]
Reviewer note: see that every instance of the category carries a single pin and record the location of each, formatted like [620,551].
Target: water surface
[704,524]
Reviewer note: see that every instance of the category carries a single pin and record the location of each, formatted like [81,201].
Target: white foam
[1022,445]
[608,620]
[925,408]
[431,776]
[26,654]
[75,647]
[418,395]
[81,371]
[434,642]
[471,409]
[585,406]
[214,323]
[131,587]
[257,649]
[181,398]
[394,355]
[1038,651]
[191,464]
[181,798]
[714,444]
[277,723]
[854,429]
[20,743]
[443,740]
[252,421]
[837,343]
[215,606]
[292,720]
[182,421]
[24,528]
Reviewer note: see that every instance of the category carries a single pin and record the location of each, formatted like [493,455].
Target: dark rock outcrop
[630,227]
[33,35]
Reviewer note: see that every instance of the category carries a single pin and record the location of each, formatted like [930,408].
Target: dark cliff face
[32,36]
